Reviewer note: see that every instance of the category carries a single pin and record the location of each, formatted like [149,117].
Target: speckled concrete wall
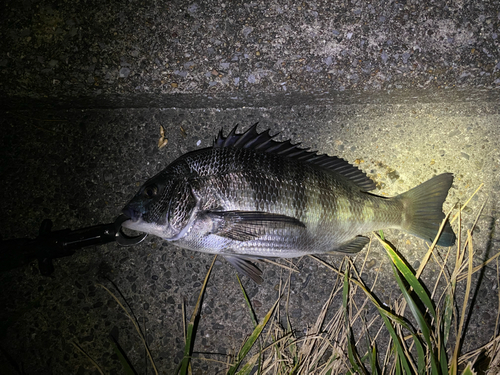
[89,48]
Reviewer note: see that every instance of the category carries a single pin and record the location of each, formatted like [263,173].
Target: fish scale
[250,197]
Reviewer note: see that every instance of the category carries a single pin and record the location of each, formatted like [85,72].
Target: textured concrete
[405,90]
[88,49]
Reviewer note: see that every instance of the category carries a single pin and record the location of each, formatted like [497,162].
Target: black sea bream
[250,197]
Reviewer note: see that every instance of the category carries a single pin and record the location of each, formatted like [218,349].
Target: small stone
[247,30]
[371,264]
[217,327]
[124,72]
[256,303]
[384,57]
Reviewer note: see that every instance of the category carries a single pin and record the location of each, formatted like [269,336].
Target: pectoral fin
[244,266]
[249,225]
[352,246]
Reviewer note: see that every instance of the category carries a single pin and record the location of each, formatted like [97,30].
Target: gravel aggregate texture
[81,48]
[68,166]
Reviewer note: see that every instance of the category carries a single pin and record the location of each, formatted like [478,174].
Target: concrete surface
[82,49]
[408,90]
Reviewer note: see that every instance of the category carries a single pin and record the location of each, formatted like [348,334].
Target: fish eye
[150,191]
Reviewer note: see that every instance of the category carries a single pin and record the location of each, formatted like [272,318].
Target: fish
[250,197]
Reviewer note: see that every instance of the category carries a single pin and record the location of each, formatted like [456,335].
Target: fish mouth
[123,238]
[133,219]
[131,214]
[135,223]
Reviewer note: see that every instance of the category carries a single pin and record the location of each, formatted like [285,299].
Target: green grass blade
[454,358]
[89,357]
[354,359]
[127,366]
[249,305]
[251,340]
[247,368]
[422,324]
[371,355]
[351,353]
[345,297]
[193,324]
[373,360]
[333,358]
[401,266]
[420,354]
[409,276]
[468,370]
[401,358]
[448,314]
[447,320]
[134,322]
[398,366]
[387,316]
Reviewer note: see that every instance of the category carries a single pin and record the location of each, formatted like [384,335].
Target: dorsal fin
[264,142]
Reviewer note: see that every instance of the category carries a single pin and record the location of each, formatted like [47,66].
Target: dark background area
[409,90]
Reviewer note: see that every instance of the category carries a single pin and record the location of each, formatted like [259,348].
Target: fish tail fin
[423,210]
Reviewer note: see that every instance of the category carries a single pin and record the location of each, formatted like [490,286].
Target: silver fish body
[250,197]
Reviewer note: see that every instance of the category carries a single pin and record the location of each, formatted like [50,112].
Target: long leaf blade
[409,276]
[193,323]
[251,340]
[419,317]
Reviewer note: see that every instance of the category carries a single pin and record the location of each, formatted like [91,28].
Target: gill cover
[182,212]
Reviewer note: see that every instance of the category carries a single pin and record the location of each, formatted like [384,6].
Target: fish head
[162,207]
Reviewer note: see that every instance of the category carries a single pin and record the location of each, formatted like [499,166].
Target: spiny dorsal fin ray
[264,142]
